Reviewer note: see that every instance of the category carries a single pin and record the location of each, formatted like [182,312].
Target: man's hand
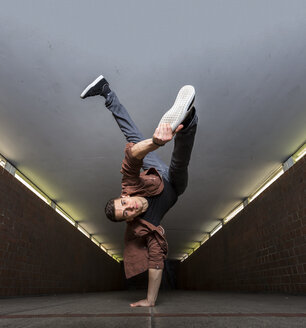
[164,134]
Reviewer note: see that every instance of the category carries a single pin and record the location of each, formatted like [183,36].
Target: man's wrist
[157,144]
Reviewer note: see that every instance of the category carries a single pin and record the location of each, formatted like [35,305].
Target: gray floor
[173,309]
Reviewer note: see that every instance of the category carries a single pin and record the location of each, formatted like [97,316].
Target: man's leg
[183,144]
[123,119]
[131,131]
[100,87]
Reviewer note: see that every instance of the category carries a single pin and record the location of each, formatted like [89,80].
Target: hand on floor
[142,303]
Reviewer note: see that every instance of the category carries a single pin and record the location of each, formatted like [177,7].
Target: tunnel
[230,249]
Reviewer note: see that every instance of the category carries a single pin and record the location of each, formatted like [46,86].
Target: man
[147,196]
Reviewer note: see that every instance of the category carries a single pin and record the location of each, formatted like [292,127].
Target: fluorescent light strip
[184,257]
[95,241]
[274,177]
[65,216]
[300,153]
[233,213]
[296,156]
[115,257]
[190,252]
[193,249]
[198,245]
[83,231]
[2,162]
[216,229]
[36,192]
[205,239]
[20,177]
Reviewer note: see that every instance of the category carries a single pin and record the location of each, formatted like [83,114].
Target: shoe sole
[97,80]
[180,109]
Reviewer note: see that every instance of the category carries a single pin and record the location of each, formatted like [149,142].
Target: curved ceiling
[245,59]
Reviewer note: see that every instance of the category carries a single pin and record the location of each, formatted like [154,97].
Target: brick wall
[41,253]
[262,249]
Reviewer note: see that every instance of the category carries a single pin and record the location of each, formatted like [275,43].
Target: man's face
[128,208]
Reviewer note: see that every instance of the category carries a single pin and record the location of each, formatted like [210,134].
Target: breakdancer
[147,195]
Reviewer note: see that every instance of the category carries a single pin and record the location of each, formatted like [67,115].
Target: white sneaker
[181,107]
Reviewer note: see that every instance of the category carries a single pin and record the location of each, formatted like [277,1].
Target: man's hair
[110,210]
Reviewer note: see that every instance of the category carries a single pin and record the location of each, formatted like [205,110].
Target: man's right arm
[161,136]
[142,148]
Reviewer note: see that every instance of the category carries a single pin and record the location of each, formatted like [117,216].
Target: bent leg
[183,144]
[123,119]
[131,131]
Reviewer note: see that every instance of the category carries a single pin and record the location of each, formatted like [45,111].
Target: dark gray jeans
[177,172]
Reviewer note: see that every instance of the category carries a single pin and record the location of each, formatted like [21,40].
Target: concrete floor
[173,309]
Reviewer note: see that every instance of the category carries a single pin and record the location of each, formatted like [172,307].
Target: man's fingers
[164,133]
[179,128]
[158,135]
[169,130]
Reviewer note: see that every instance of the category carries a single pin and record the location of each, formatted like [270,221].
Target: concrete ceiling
[246,60]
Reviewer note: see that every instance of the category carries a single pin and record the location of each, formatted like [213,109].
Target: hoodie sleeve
[157,254]
[130,165]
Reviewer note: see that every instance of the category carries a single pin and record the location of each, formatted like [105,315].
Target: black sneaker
[99,87]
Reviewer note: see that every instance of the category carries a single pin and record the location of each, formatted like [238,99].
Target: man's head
[125,208]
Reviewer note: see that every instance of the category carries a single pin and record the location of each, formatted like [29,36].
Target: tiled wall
[41,253]
[262,249]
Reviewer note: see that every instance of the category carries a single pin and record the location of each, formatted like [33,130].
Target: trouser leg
[131,132]
[183,144]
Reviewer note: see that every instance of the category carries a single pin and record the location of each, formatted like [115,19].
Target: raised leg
[131,131]
[183,144]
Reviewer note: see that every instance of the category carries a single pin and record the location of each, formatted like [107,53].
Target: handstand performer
[147,196]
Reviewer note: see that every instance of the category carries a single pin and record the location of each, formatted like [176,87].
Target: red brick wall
[41,253]
[262,249]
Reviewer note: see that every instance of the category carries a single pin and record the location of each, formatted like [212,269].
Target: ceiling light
[95,241]
[198,244]
[205,239]
[300,153]
[2,162]
[34,189]
[184,257]
[83,231]
[267,183]
[216,229]
[117,258]
[233,213]
[65,216]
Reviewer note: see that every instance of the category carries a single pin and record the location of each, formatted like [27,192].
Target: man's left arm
[161,136]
